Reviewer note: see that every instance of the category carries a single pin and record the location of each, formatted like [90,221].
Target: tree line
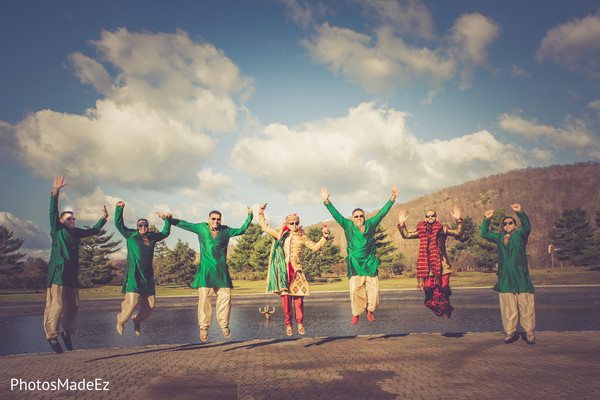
[573,237]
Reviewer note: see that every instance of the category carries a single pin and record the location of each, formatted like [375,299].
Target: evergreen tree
[177,266]
[251,251]
[11,268]
[484,252]
[388,261]
[314,263]
[35,273]
[573,238]
[9,248]
[94,264]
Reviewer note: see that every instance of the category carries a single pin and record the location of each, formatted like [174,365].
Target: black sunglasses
[507,223]
[294,223]
[142,225]
[429,215]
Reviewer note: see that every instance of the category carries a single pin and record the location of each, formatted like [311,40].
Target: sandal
[531,338]
[508,339]
[289,331]
[226,332]
[301,329]
[204,335]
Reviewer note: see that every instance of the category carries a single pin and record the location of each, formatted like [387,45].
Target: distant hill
[542,192]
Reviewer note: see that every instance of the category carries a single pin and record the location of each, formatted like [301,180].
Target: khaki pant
[146,305]
[364,294]
[205,307]
[62,304]
[514,304]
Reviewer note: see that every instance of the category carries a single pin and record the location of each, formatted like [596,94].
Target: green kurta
[213,271]
[63,267]
[140,274]
[513,273]
[361,248]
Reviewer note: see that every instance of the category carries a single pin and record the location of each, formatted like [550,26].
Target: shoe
[55,345]
[204,335]
[508,339]
[354,319]
[370,316]
[137,329]
[119,328]
[226,332]
[531,338]
[67,339]
[289,331]
[301,329]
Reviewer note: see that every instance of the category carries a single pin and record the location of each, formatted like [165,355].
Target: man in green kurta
[361,261]
[62,293]
[139,279]
[514,283]
[213,276]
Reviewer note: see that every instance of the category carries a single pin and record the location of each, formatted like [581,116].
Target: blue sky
[188,106]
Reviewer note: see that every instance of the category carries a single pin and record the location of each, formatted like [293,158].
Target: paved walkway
[562,365]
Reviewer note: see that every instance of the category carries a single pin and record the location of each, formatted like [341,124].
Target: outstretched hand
[261,209]
[324,194]
[248,210]
[59,183]
[105,212]
[121,204]
[488,214]
[163,216]
[394,193]
[516,207]
[456,213]
[402,217]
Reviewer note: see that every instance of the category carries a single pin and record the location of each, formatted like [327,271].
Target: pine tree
[389,262]
[9,247]
[573,238]
[177,266]
[314,263]
[94,264]
[483,251]
[251,250]
[11,268]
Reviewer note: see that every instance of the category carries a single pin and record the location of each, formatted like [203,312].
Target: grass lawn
[540,277]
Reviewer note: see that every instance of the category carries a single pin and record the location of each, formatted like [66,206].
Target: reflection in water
[400,313]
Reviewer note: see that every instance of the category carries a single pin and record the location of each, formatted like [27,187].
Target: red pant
[437,297]
[286,302]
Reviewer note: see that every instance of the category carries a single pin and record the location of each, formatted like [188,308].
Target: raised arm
[235,232]
[166,228]
[485,227]
[525,224]
[59,183]
[263,222]
[317,246]
[187,226]
[459,224]
[119,224]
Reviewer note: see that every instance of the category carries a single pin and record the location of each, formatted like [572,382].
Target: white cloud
[167,94]
[519,72]
[381,62]
[472,34]
[380,66]
[572,134]
[88,209]
[360,156]
[574,44]
[542,155]
[35,237]
[210,186]
[595,105]
[408,16]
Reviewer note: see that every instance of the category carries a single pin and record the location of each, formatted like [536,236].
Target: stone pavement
[562,365]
